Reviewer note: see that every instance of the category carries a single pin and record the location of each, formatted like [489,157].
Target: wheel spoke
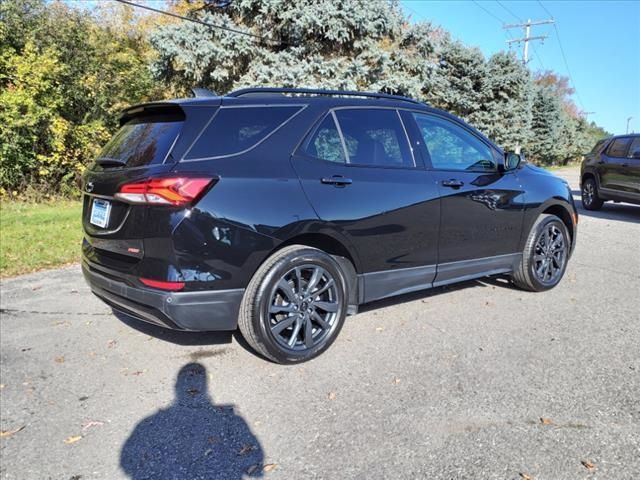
[284,286]
[282,324]
[315,278]
[315,316]
[308,333]
[290,308]
[326,286]
[296,331]
[298,275]
[327,306]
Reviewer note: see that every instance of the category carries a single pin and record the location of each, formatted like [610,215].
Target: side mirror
[635,154]
[512,161]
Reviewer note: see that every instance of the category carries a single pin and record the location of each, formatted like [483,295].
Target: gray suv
[611,171]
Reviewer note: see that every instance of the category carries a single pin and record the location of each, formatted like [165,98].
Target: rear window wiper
[110,161]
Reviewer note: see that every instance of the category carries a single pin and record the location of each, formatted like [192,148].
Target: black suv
[611,171]
[279,211]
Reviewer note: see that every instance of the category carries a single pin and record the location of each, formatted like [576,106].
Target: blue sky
[600,38]
[601,42]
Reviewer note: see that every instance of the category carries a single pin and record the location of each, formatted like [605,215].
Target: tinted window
[374,137]
[451,147]
[234,130]
[634,149]
[325,143]
[618,147]
[598,146]
[143,141]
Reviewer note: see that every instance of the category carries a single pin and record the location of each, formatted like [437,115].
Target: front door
[359,173]
[481,208]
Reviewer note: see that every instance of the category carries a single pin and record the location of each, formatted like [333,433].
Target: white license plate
[100,212]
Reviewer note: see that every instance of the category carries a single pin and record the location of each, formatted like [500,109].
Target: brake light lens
[173,286]
[176,191]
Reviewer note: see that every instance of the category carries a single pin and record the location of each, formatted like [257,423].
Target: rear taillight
[177,191]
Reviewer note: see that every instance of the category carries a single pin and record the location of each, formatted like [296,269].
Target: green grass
[38,236]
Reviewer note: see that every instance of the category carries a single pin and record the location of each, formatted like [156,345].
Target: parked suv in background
[282,210]
[611,171]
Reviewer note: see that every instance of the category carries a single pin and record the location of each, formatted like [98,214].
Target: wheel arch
[345,256]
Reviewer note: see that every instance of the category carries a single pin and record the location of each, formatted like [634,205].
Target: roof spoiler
[203,93]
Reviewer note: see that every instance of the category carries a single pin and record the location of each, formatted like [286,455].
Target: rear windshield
[142,141]
[234,130]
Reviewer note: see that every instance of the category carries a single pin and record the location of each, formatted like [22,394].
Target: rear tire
[590,198]
[545,255]
[295,305]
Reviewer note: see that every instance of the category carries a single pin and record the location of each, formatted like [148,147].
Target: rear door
[613,169]
[632,169]
[360,174]
[481,208]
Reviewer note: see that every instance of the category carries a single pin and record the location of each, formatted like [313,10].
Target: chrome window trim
[300,108]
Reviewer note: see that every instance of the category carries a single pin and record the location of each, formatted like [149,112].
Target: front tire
[545,255]
[295,305]
[590,198]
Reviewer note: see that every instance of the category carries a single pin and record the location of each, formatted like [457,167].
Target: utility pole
[527,35]
[628,120]
[586,114]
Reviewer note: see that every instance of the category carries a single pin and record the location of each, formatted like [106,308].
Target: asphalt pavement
[476,381]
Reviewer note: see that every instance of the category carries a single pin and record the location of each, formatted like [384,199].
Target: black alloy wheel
[295,305]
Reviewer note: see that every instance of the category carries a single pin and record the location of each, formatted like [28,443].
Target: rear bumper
[194,311]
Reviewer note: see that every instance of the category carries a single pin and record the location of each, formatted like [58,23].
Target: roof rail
[313,91]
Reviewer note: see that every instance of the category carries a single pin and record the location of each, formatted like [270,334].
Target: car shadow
[624,212]
[192,437]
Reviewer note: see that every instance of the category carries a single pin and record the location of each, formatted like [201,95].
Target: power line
[564,56]
[488,12]
[195,20]
[509,11]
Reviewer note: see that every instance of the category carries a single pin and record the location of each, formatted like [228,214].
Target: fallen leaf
[253,468]
[525,476]
[1,386]
[268,467]
[246,449]
[546,421]
[59,359]
[396,381]
[8,433]
[331,396]
[379,329]
[111,343]
[92,423]
[208,452]
[72,439]
[138,372]
[73,290]
[588,465]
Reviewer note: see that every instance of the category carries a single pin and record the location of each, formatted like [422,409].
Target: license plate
[100,212]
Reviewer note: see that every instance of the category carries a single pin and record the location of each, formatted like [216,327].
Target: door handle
[453,183]
[337,180]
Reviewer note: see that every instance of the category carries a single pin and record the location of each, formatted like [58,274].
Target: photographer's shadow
[193,438]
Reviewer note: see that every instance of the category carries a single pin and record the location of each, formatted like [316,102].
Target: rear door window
[325,143]
[618,147]
[374,137]
[142,141]
[634,149]
[234,130]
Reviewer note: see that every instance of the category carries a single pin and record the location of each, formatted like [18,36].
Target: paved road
[477,381]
